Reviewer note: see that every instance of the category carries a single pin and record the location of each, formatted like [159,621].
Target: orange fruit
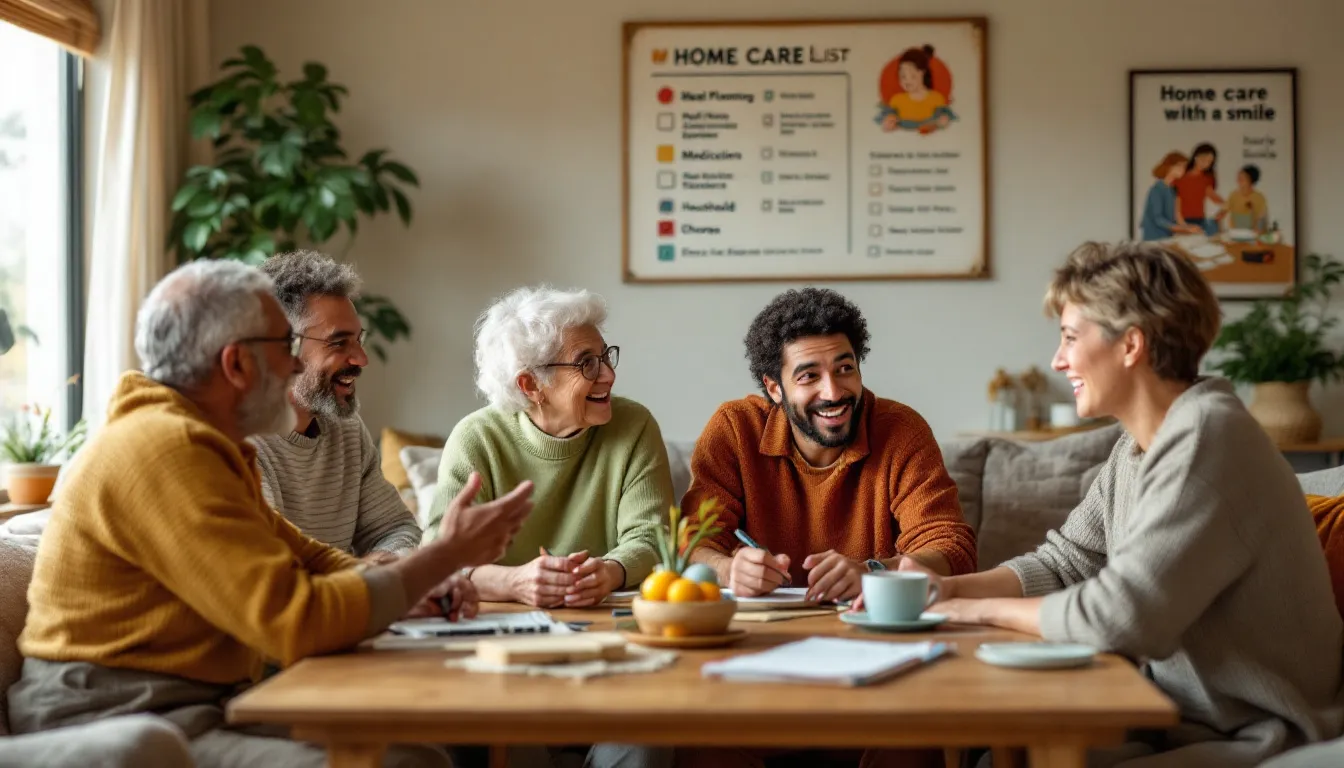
[684,591]
[675,630]
[710,591]
[656,585]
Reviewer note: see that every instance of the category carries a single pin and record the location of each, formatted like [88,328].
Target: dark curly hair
[795,314]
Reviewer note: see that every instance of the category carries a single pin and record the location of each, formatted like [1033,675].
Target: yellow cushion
[393,440]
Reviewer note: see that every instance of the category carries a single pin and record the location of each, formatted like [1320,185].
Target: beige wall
[510,112]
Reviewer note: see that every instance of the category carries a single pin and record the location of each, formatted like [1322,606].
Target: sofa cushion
[422,471]
[16,570]
[965,462]
[1030,488]
[391,443]
[1327,482]
[679,457]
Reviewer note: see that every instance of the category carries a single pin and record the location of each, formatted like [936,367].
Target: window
[40,249]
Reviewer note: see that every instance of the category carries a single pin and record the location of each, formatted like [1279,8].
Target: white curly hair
[524,331]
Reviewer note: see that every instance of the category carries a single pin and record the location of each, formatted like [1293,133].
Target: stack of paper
[827,660]
[784,597]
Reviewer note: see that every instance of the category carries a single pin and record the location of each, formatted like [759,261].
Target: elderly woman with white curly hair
[598,461]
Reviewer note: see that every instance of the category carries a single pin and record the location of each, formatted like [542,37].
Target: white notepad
[783,597]
[827,660]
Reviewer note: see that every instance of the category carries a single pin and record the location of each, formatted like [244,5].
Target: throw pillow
[393,440]
[16,570]
[422,470]
[965,462]
[1030,489]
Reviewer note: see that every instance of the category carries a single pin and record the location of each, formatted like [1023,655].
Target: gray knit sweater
[1199,559]
[332,487]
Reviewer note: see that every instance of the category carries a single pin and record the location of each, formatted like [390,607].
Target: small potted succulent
[31,446]
[680,599]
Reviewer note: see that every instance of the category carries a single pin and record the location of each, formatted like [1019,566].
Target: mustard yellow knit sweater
[161,555]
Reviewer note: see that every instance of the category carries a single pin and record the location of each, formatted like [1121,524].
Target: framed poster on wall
[1213,172]
[805,150]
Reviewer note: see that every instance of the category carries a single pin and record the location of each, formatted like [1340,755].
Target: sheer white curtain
[154,55]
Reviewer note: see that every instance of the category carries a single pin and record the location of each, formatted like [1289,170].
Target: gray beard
[314,392]
[266,410]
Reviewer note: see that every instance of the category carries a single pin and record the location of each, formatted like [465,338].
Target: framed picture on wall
[805,150]
[1213,172]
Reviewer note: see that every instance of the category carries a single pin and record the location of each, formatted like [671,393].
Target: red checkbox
[666,229]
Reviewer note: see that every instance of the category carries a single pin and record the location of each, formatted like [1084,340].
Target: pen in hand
[750,542]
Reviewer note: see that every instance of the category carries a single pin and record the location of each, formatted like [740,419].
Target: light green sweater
[604,491]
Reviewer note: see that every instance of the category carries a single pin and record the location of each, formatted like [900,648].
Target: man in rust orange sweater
[829,479]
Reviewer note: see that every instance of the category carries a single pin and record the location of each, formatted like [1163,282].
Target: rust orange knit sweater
[888,493]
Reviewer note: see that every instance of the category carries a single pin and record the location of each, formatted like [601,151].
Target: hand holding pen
[755,571]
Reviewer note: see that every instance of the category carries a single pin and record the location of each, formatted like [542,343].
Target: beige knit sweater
[1199,559]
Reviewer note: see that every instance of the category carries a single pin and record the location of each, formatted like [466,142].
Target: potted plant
[281,177]
[1280,347]
[31,446]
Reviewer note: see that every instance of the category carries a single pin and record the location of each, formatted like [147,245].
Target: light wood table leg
[1058,756]
[1007,757]
[355,755]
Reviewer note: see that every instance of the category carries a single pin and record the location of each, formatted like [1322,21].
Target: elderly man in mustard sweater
[165,584]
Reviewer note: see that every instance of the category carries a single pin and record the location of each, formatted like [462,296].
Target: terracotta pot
[1284,410]
[30,483]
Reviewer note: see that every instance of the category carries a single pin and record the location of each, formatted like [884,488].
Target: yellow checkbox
[666,153]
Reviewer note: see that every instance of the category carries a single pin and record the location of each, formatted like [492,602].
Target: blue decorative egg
[700,573]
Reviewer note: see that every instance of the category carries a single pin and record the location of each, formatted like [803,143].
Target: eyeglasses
[591,366]
[292,339]
[342,344]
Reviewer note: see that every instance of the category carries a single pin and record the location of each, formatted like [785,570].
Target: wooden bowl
[702,618]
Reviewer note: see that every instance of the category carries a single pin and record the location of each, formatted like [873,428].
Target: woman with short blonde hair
[1193,551]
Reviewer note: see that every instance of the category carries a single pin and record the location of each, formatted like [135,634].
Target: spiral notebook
[827,660]
[529,622]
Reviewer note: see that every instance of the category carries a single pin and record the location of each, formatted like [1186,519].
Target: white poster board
[817,150]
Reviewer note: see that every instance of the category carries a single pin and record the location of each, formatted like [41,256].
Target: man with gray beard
[324,475]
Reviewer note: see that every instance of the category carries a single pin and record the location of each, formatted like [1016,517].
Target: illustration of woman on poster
[1200,183]
[916,89]
[1160,213]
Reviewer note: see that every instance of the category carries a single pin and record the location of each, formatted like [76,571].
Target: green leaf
[327,197]
[184,196]
[195,235]
[403,206]
[206,123]
[203,207]
[314,72]
[402,172]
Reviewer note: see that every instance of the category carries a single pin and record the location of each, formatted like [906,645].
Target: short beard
[804,424]
[315,391]
[266,409]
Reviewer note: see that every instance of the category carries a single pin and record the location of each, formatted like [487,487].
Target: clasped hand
[573,581]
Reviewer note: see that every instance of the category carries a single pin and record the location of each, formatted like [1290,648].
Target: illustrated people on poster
[916,89]
[1161,217]
[1198,185]
[1247,211]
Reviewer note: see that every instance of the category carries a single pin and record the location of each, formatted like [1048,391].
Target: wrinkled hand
[832,576]
[594,579]
[546,580]
[380,557]
[480,534]
[756,572]
[462,598]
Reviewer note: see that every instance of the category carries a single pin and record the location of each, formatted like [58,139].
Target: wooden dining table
[358,703]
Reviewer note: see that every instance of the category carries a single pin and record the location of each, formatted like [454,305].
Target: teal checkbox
[667,252]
